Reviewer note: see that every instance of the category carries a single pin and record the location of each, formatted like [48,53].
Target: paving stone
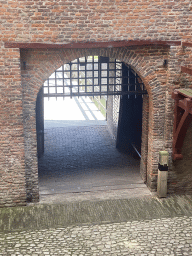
[118,239]
[82,163]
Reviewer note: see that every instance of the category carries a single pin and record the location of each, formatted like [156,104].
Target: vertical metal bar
[93,75]
[78,64]
[48,87]
[63,77]
[128,80]
[115,78]
[100,76]
[70,81]
[107,77]
[121,76]
[135,84]
[85,75]
[56,84]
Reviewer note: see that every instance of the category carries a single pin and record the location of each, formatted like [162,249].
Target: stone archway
[38,66]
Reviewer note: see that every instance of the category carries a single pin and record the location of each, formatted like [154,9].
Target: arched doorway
[106,80]
[40,64]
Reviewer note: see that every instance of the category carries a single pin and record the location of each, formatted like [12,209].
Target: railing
[136,150]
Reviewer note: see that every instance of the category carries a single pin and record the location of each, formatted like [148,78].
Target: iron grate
[93,76]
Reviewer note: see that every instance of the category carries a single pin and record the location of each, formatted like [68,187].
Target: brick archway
[38,65]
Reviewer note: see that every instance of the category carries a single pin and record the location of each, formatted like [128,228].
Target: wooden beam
[186,70]
[182,119]
[188,107]
[187,44]
[186,92]
[179,136]
[76,45]
[177,156]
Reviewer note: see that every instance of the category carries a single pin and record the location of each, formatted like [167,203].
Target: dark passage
[130,115]
[40,123]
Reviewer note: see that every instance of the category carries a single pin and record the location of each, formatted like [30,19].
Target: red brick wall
[12,167]
[76,21]
[144,138]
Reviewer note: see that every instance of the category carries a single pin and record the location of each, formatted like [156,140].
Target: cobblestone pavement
[147,226]
[82,162]
[152,237]
[72,151]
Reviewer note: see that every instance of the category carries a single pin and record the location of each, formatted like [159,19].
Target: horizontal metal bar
[94,94]
[95,85]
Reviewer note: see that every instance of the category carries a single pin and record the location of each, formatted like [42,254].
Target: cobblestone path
[153,237]
[148,226]
[71,151]
[84,159]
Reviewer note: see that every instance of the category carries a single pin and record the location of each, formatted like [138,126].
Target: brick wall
[12,166]
[113,102]
[181,180]
[144,138]
[81,21]
[78,20]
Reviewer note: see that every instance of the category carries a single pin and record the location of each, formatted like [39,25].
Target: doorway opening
[87,135]
[130,115]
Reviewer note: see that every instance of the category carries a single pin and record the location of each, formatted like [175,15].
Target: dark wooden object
[78,45]
[182,119]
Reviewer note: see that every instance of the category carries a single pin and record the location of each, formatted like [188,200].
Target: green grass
[103,102]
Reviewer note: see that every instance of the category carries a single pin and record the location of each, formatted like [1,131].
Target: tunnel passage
[113,86]
[84,158]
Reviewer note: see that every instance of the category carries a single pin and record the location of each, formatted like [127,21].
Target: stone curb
[33,217]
